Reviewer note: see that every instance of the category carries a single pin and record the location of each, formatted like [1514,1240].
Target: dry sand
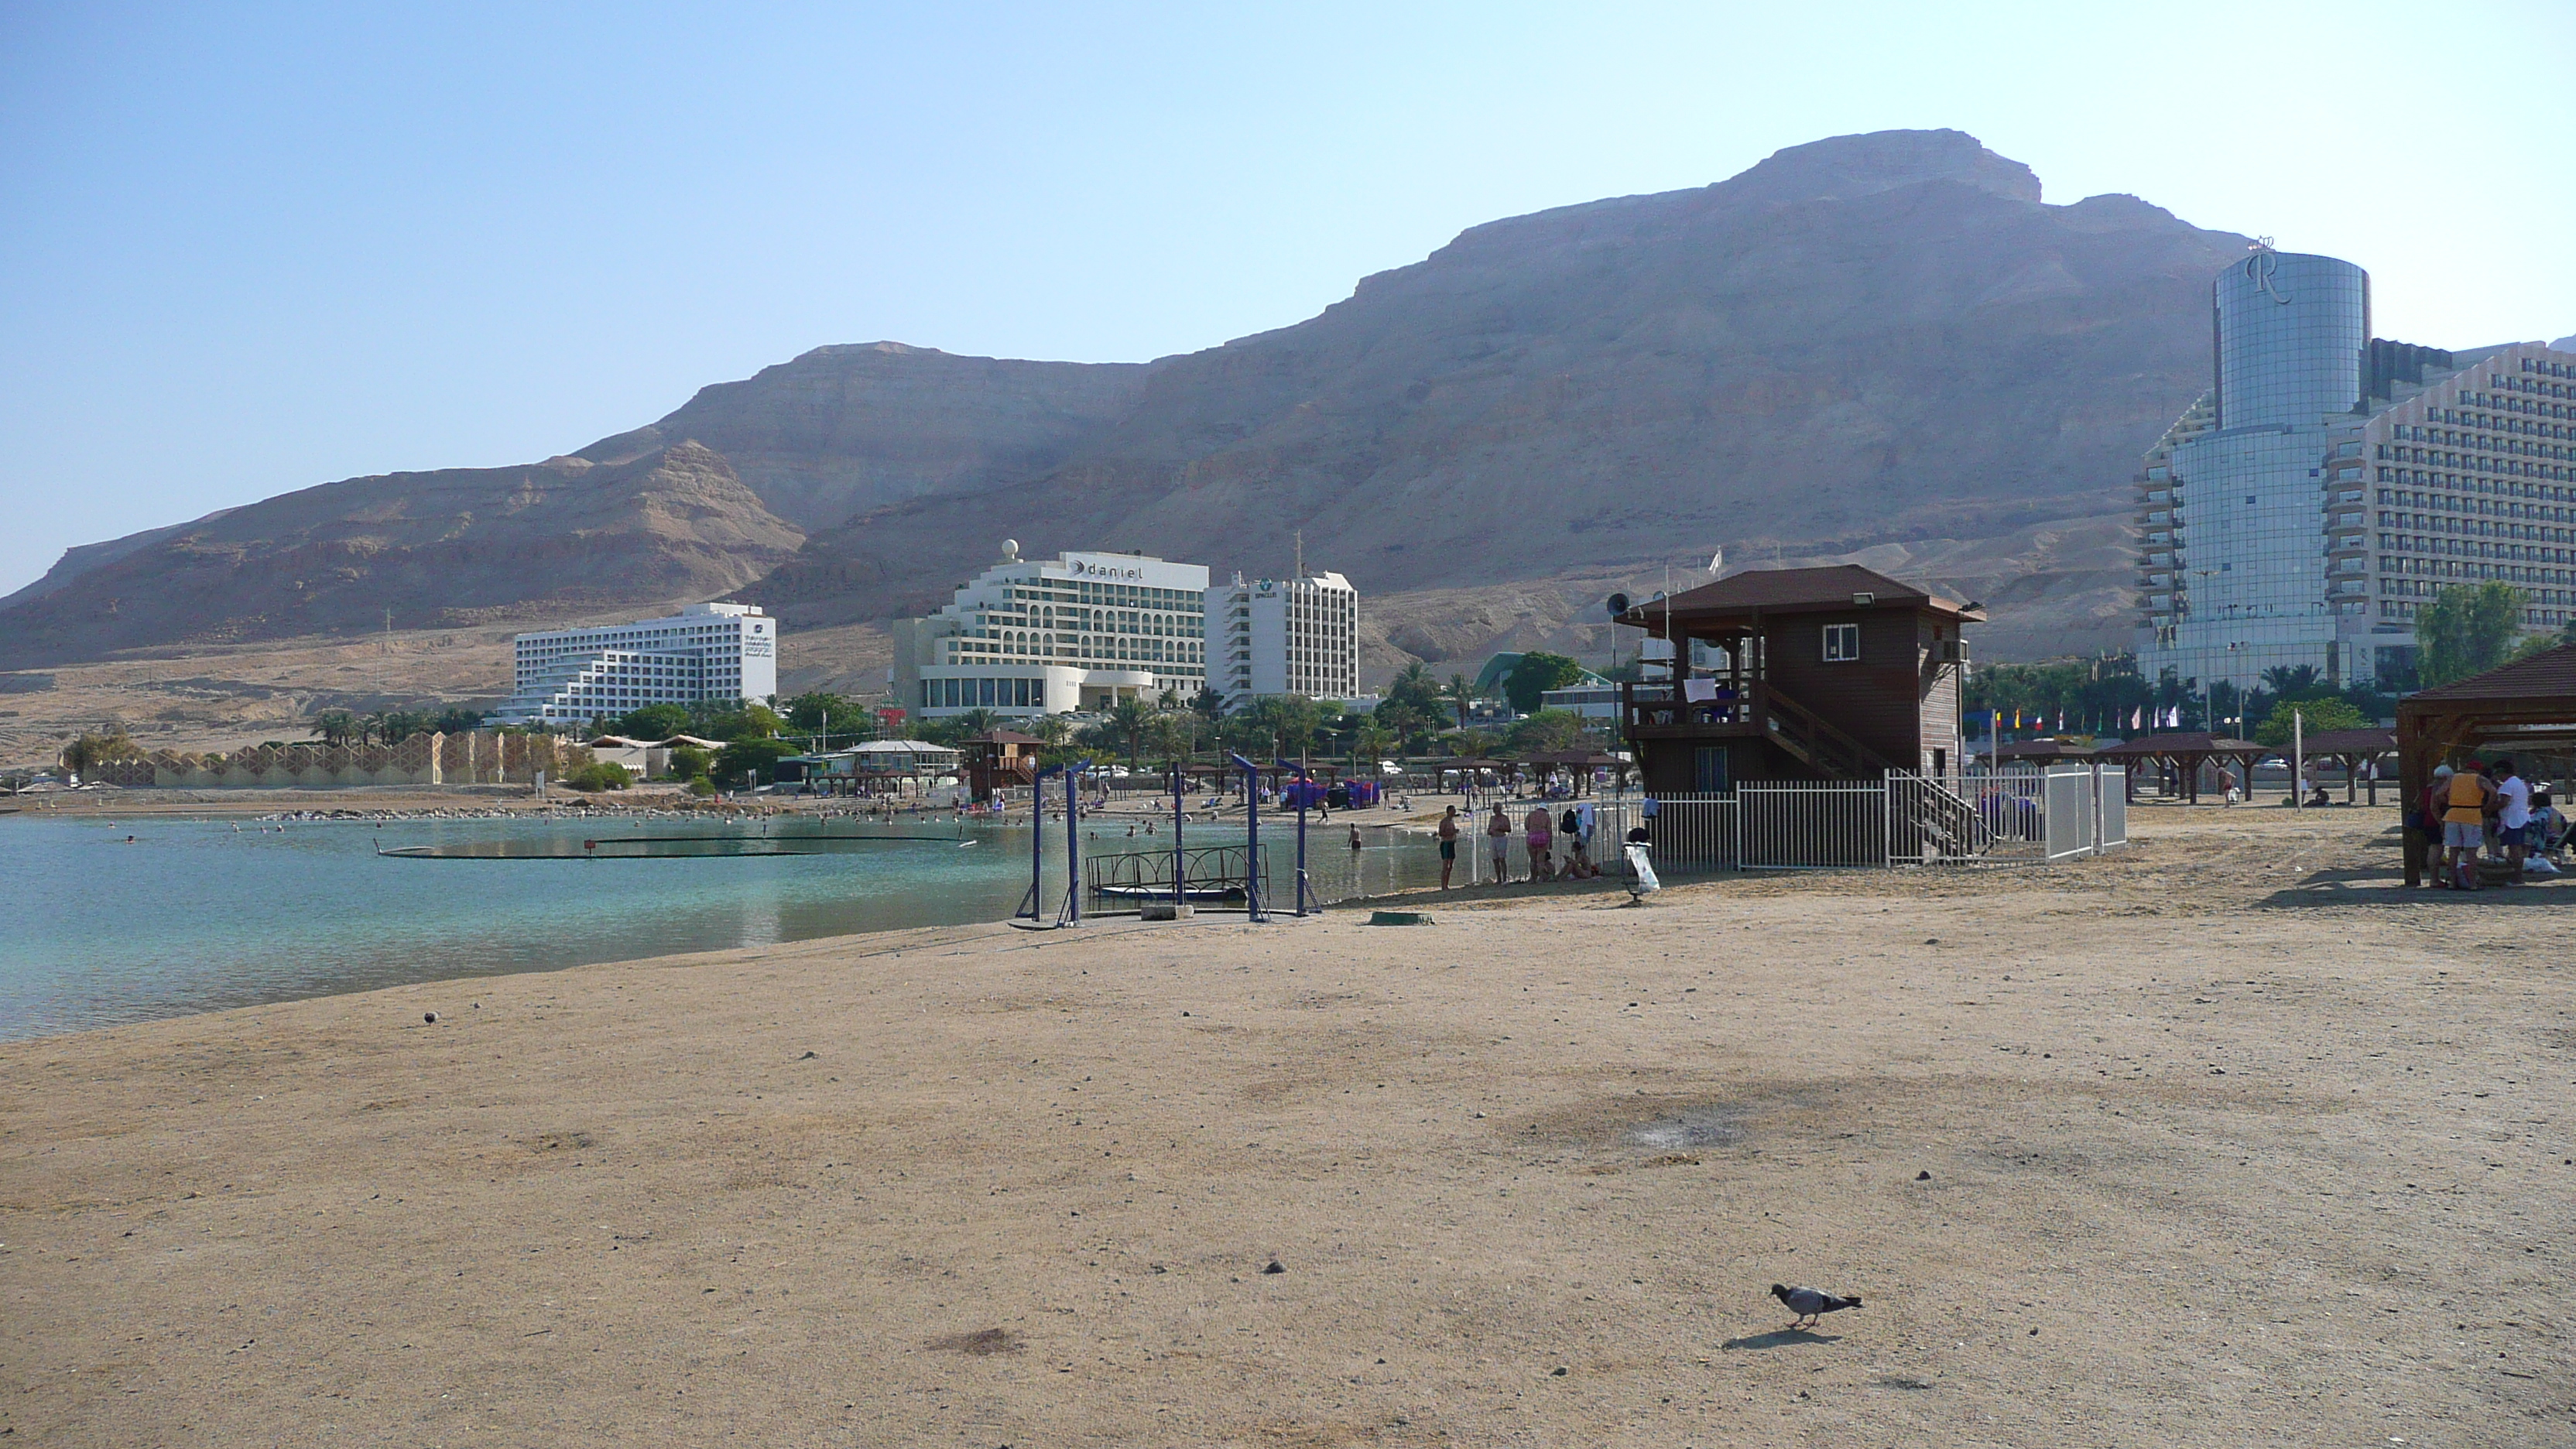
[2230,1142]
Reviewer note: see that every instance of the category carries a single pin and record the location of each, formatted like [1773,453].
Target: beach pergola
[2526,707]
[2046,751]
[2349,748]
[2184,751]
[1582,763]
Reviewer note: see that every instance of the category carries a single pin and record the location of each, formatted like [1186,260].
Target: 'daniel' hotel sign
[1120,570]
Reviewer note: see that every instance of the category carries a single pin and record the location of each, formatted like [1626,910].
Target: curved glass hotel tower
[2331,482]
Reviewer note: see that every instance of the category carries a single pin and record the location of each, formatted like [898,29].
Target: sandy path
[2229,1141]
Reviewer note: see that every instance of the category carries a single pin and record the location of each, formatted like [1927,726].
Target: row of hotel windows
[2488,527]
[2400,453]
[1067,652]
[983,694]
[2460,418]
[1072,591]
[2457,484]
[2405,609]
[2435,574]
[591,639]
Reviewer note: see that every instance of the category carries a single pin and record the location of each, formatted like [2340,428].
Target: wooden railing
[1649,710]
[1812,738]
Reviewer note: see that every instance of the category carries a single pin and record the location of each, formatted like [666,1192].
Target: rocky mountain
[440,548]
[1884,345]
[840,431]
[1857,343]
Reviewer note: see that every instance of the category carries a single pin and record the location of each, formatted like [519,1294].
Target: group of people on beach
[2488,810]
[1554,847]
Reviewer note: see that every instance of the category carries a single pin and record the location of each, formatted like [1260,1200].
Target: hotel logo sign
[1090,569]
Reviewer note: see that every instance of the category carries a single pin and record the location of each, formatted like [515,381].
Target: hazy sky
[246,249]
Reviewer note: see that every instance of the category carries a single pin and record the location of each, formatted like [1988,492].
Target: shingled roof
[2550,675]
[1790,591]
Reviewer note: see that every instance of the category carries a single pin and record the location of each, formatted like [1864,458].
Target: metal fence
[1802,824]
[2016,815]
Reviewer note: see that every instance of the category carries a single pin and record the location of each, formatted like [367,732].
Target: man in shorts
[1498,836]
[1448,844]
[2464,823]
[2513,815]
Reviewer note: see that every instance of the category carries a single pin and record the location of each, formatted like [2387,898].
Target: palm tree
[1461,696]
[1054,729]
[2286,680]
[977,721]
[335,726]
[1128,721]
[1371,742]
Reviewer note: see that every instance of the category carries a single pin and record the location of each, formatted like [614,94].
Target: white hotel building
[1078,633]
[706,651]
[2332,483]
[1284,636]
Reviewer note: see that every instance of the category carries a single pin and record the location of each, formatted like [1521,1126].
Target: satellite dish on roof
[1618,605]
[1010,550]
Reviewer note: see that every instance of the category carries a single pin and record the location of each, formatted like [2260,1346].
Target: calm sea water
[203,915]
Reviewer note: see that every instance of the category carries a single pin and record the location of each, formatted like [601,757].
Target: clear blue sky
[246,249]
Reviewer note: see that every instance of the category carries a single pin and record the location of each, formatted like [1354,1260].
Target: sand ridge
[2245,1134]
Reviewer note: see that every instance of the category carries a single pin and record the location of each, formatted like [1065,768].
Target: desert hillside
[1883,348]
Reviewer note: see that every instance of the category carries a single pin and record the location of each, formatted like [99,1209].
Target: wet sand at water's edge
[2226,1131]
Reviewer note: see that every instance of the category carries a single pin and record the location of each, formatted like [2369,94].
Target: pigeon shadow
[1782,1338]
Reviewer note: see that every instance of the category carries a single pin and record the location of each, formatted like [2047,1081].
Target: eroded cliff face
[437,549]
[840,431]
[1872,347]
[1870,342]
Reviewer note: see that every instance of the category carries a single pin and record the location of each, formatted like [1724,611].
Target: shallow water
[203,915]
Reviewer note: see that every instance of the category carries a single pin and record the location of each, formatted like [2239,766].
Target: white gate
[1809,824]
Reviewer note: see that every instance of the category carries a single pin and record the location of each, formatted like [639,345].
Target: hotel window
[1842,643]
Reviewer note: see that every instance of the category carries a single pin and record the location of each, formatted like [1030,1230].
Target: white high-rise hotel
[1284,636]
[2332,482]
[1027,637]
[1081,632]
[706,651]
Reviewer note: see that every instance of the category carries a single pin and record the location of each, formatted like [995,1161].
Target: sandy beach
[2221,1140]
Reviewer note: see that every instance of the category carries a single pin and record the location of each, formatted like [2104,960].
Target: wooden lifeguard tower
[1836,673]
[999,759]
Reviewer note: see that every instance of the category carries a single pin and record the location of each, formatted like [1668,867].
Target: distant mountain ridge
[1867,344]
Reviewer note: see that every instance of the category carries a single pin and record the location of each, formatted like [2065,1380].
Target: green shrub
[688,762]
[599,775]
[701,785]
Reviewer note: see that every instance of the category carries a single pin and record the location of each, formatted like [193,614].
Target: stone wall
[483,757]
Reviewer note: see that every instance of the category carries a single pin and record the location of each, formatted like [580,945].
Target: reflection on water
[202,915]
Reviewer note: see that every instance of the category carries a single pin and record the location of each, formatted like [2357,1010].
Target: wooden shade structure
[2046,750]
[2184,750]
[2349,748]
[1582,761]
[2528,706]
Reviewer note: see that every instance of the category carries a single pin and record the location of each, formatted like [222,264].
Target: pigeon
[1809,1304]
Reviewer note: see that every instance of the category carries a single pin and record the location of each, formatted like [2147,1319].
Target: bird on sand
[1809,1304]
